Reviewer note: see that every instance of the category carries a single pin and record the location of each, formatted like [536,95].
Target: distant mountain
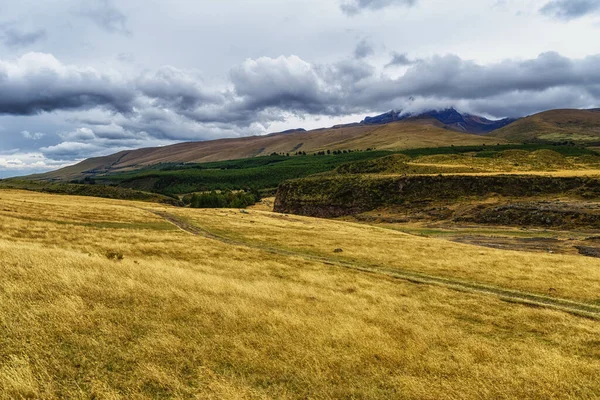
[394,136]
[556,126]
[390,116]
[449,118]
[389,131]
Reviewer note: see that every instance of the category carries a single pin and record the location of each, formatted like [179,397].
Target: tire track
[513,296]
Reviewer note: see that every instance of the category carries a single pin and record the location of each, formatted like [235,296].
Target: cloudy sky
[83,78]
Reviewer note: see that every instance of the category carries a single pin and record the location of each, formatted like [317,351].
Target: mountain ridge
[449,117]
[393,136]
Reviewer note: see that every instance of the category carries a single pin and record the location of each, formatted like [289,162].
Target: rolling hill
[393,136]
[578,126]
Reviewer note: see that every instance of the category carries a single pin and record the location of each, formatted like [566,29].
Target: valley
[434,264]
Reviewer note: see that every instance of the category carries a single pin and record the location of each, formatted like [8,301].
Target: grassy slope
[401,135]
[186,316]
[108,192]
[268,172]
[580,126]
[535,159]
[259,172]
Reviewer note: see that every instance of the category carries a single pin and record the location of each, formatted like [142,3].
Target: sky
[86,78]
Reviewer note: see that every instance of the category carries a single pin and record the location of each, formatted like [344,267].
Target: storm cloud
[38,82]
[350,87]
[570,9]
[172,104]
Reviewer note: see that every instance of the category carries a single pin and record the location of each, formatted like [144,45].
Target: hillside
[124,300]
[578,126]
[335,196]
[394,136]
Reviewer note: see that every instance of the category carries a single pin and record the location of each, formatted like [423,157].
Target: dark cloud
[287,83]
[106,15]
[38,82]
[570,9]
[353,7]
[363,49]
[13,36]
[171,104]
[177,88]
[399,59]
[451,77]
[292,85]
[265,89]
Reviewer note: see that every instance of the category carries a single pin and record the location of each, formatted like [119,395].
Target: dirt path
[509,295]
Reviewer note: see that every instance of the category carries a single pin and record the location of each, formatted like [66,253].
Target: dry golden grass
[554,126]
[183,316]
[540,162]
[594,173]
[410,135]
[572,277]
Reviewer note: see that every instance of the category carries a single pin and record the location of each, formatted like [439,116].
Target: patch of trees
[258,172]
[334,152]
[88,180]
[227,199]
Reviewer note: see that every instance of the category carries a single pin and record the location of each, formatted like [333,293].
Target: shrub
[114,255]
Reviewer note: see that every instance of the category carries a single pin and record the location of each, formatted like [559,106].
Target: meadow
[118,299]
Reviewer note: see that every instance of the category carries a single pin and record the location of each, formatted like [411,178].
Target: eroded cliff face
[350,195]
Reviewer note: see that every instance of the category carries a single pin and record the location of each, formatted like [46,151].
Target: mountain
[389,131]
[449,118]
[567,125]
[390,116]
[393,136]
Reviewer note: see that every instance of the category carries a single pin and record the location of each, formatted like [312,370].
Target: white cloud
[32,135]
[29,162]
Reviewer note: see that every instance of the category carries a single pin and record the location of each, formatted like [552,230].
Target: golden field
[110,299]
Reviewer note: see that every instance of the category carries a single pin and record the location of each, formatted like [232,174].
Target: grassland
[109,192]
[260,308]
[530,159]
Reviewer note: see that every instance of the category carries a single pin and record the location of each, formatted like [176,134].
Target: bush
[114,255]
